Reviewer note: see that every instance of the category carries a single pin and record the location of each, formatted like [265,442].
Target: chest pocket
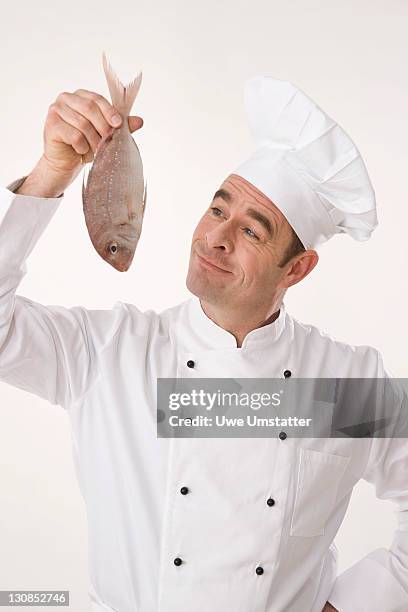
[318,477]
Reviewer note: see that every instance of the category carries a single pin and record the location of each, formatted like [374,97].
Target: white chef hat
[306,164]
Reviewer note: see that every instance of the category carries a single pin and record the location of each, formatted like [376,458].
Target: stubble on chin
[201,287]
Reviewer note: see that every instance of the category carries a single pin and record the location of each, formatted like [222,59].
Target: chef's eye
[251,234]
[215,208]
[113,247]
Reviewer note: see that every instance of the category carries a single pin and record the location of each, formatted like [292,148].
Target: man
[195,524]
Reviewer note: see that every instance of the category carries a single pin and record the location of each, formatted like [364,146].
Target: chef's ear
[299,267]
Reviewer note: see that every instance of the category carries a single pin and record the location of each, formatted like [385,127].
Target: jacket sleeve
[50,351]
[379,581]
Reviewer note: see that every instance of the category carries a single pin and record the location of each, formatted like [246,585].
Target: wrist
[45,181]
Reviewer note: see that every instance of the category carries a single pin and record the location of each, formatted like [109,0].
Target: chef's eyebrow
[224,194]
[251,212]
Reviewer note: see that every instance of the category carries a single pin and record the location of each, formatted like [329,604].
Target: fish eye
[113,247]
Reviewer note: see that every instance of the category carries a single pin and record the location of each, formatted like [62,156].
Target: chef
[206,524]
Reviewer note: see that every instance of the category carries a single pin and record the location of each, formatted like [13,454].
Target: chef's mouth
[211,265]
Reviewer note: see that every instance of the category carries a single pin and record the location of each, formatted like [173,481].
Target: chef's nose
[220,237]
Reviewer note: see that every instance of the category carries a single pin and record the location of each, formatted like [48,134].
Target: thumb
[135,123]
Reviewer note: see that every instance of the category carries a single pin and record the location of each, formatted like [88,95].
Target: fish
[114,194]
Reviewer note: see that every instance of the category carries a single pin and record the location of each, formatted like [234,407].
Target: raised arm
[51,351]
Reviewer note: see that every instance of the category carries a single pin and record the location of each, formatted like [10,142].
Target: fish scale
[114,196]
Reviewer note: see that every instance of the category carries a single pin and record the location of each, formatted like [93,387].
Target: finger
[68,134]
[79,122]
[108,111]
[135,123]
[86,107]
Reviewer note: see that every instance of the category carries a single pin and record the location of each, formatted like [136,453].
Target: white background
[349,56]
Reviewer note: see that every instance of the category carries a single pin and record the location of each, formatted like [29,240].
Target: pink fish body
[114,197]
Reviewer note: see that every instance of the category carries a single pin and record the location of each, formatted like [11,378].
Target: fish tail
[122,96]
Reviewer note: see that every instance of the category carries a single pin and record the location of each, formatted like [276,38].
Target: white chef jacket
[101,366]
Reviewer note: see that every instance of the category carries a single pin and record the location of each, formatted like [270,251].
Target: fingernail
[116,120]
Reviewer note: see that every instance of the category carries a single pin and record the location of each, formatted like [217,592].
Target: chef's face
[245,237]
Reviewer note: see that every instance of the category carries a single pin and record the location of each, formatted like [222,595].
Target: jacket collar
[210,334]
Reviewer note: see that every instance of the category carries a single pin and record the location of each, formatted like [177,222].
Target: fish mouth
[122,266]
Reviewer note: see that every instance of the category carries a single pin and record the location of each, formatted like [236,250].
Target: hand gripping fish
[114,197]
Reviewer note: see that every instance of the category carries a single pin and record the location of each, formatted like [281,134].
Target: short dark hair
[294,248]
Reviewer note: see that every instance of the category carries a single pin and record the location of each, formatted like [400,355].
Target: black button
[287,373]
[259,570]
[190,363]
[178,561]
[184,490]
[283,435]
[270,501]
